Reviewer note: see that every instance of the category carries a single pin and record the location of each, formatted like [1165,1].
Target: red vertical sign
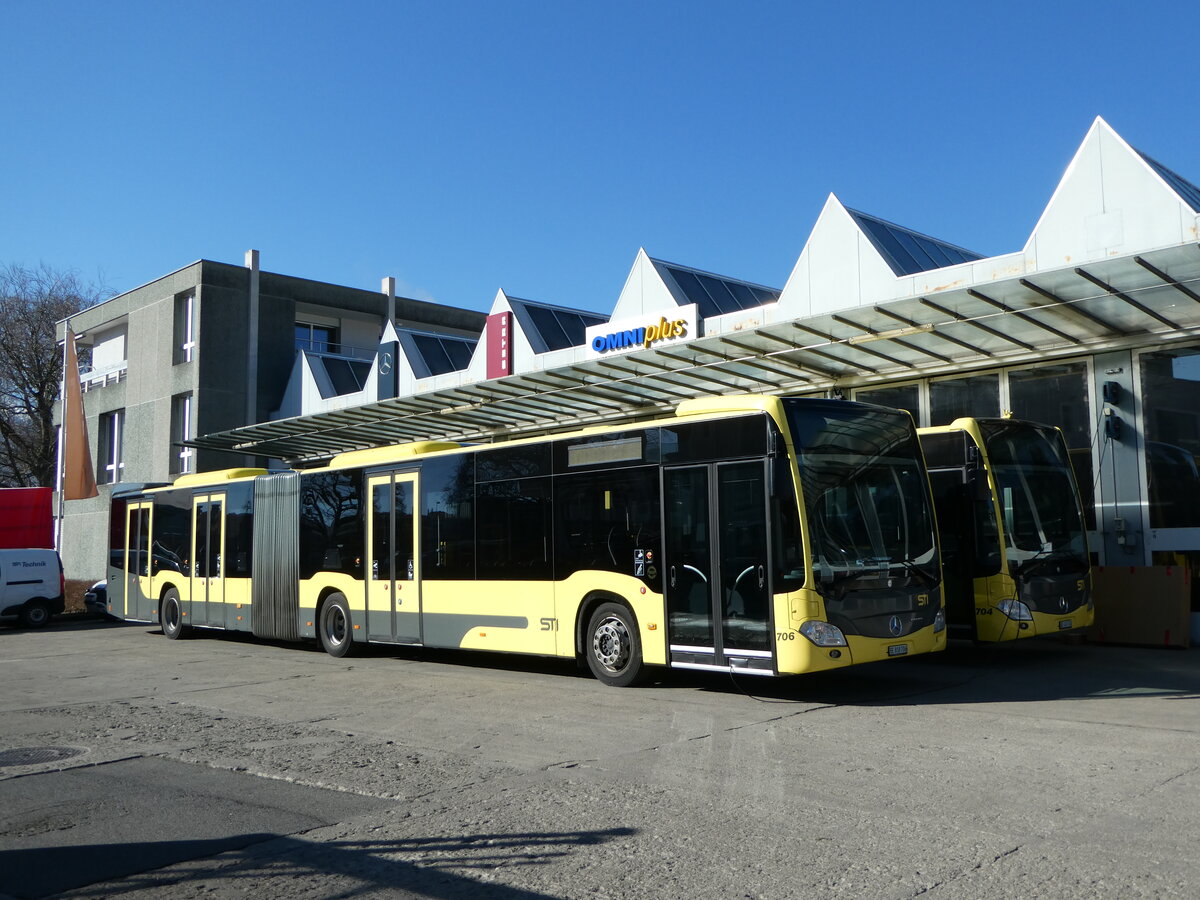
[499,345]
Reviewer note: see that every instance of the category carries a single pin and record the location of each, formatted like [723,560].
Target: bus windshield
[865,491]
[1036,493]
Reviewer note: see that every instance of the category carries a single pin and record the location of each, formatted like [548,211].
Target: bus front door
[393,564]
[717,565]
[208,552]
[952,503]
[139,601]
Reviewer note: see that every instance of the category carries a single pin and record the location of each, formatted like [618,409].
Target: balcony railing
[330,348]
[90,379]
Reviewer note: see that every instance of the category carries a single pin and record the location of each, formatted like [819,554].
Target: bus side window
[788,549]
[448,518]
[604,518]
[513,531]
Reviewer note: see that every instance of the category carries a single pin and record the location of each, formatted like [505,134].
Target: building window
[1058,395]
[1171,410]
[907,396]
[317,338]
[977,396]
[111,459]
[182,423]
[185,327]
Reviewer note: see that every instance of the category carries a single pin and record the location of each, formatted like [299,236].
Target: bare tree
[32,300]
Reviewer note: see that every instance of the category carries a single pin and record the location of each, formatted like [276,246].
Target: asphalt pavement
[133,766]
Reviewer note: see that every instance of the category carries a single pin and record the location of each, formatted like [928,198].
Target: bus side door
[717,566]
[139,599]
[208,552]
[393,565]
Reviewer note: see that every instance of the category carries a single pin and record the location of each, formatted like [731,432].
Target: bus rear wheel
[334,626]
[170,616]
[613,648]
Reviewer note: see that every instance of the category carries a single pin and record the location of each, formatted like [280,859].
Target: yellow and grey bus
[754,534]
[1014,546]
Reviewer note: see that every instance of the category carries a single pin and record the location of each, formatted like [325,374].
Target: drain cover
[32,756]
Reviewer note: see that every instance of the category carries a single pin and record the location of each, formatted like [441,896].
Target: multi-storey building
[210,347]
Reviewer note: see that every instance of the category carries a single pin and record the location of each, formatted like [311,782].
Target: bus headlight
[823,634]
[1015,610]
[939,621]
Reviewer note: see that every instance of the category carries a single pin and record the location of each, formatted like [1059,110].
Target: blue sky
[468,146]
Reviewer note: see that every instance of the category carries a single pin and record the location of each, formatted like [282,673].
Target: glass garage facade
[1132,424]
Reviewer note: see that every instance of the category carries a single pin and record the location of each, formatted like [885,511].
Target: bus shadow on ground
[1030,671]
[73,622]
[435,867]
[1021,671]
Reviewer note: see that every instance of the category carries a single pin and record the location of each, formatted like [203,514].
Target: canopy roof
[1103,305]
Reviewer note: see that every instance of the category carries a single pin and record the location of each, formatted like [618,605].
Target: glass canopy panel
[549,327]
[922,253]
[908,252]
[695,292]
[433,354]
[765,296]
[721,295]
[460,353]
[552,328]
[1180,185]
[899,259]
[745,297]
[347,376]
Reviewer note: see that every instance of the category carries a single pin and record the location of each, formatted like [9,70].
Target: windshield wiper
[914,569]
[1049,555]
[853,575]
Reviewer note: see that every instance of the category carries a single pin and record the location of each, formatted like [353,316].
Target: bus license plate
[1064,624]
[897,649]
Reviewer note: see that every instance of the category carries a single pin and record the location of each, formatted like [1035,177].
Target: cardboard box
[1145,605]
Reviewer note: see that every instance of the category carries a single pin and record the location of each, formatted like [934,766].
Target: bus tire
[35,614]
[170,616]
[334,626]
[612,646]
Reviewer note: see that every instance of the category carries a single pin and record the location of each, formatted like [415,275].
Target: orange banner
[79,480]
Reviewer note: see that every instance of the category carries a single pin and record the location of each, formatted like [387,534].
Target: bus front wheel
[614,650]
[171,615]
[335,626]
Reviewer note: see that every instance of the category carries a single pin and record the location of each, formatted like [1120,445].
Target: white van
[32,586]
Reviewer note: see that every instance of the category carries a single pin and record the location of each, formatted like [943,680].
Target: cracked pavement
[1042,769]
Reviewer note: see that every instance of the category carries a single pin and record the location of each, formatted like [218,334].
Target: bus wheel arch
[610,641]
[170,614]
[335,629]
[583,617]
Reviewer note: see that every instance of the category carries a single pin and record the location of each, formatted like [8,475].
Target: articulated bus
[1014,546]
[754,534]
